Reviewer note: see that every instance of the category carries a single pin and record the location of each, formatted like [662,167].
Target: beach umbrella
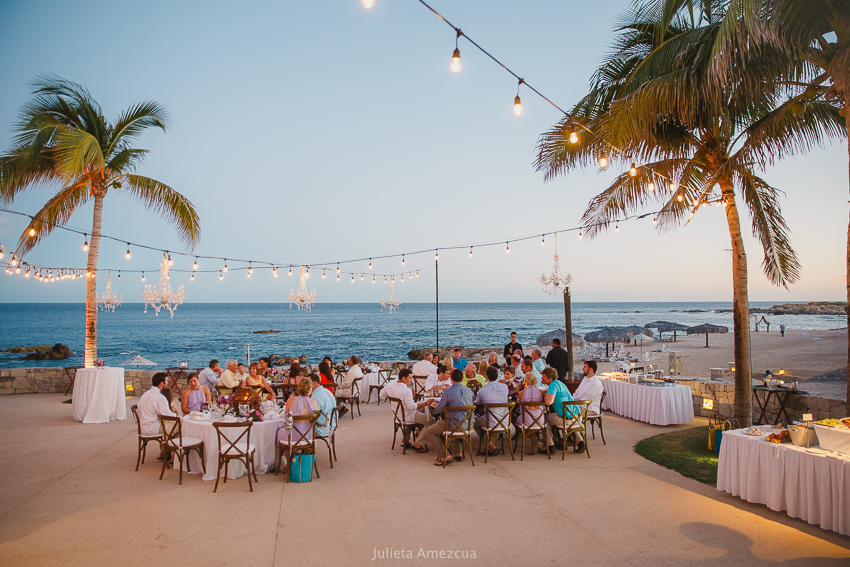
[640,337]
[607,335]
[706,328]
[666,327]
[545,339]
[138,360]
[635,329]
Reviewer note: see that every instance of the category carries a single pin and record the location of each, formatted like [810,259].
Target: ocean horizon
[202,331]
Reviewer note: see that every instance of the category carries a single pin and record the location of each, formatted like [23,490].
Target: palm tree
[63,139]
[684,135]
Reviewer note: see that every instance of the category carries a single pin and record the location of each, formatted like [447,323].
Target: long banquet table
[665,405]
[263,438]
[812,486]
[99,395]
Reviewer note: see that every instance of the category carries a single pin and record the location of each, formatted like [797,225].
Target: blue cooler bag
[301,469]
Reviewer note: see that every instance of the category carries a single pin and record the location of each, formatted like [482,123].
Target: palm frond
[56,212]
[177,209]
[135,120]
[126,160]
[76,152]
[20,170]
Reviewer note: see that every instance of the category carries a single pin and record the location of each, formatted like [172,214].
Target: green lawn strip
[685,452]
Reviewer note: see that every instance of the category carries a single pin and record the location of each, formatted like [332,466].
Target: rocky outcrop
[44,352]
[467,353]
[266,332]
[814,308]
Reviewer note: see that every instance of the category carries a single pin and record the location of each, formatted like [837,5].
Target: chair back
[602,401]
[135,409]
[499,423]
[231,434]
[462,425]
[172,429]
[384,372]
[298,438]
[527,413]
[419,386]
[398,411]
[575,414]
[355,388]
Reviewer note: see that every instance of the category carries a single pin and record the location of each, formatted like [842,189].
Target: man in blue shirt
[327,403]
[555,396]
[459,362]
[537,360]
[456,395]
[494,392]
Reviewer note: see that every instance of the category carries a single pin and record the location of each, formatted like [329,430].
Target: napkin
[271,416]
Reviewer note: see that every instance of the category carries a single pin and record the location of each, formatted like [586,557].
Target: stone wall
[723,396]
[55,380]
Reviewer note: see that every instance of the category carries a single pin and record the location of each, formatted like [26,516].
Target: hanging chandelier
[391,304]
[163,297]
[303,299]
[556,283]
[108,301]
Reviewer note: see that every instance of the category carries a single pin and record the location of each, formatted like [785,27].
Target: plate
[815,451]
[756,431]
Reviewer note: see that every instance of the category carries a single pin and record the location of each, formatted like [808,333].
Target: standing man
[209,376]
[512,346]
[459,362]
[558,359]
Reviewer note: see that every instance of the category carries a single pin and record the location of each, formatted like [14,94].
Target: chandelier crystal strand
[163,297]
[391,304]
[108,301]
[303,299]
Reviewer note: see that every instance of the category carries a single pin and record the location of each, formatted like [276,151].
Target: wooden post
[568,326]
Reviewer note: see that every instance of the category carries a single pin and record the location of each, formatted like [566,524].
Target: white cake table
[99,395]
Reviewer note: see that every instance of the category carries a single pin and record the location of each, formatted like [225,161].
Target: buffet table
[99,395]
[809,484]
[657,405]
[263,438]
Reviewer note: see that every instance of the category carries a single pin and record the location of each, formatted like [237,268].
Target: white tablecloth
[263,438]
[656,405]
[99,395]
[814,488]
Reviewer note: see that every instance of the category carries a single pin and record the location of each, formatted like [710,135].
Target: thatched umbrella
[607,335]
[666,327]
[545,339]
[640,337]
[138,360]
[706,328]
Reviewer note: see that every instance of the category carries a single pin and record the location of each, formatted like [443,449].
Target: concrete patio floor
[69,496]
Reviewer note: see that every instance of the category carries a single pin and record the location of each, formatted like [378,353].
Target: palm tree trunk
[91,284]
[740,312]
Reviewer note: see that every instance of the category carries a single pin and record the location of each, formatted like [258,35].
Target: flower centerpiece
[98,363]
[228,404]
[255,415]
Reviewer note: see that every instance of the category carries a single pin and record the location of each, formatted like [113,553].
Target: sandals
[413,447]
[457,457]
[439,462]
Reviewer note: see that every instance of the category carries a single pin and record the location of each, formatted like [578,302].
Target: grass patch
[685,452]
[68,401]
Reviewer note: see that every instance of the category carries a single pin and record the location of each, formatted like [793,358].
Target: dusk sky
[310,133]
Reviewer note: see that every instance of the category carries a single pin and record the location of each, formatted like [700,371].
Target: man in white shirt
[209,376]
[443,379]
[152,404]
[425,367]
[241,373]
[413,414]
[590,388]
[230,377]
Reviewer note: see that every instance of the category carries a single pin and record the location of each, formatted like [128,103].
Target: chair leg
[333,444]
[316,466]
[180,477]
[289,452]
[254,468]
[509,446]
[226,464]
[217,474]
[468,440]
[357,401]
[139,457]
[601,432]
[395,431]
[248,466]
[593,429]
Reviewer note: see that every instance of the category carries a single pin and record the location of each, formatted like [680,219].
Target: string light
[633,170]
[143,276]
[290,271]
[250,270]
[370,263]
[18,270]
[1,251]
[651,186]
[119,275]
[603,162]
[225,265]
[455,66]
[517,102]
[352,279]
[436,256]
[220,275]
[617,228]
[170,263]
[580,236]
[507,248]
[367,3]
[402,278]
[337,268]
[543,240]
[402,259]
[274,272]
[373,279]
[307,273]
[14,261]
[680,198]
[392,280]
[195,265]
[361,277]
[127,255]
[470,251]
[337,277]
[86,243]
[32,232]
[323,274]
[573,138]
[192,278]
[385,279]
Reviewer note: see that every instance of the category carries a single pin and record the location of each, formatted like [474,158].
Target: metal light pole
[558,283]
[437,276]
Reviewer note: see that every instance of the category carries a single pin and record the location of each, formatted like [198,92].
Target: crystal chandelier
[163,297]
[556,283]
[392,304]
[303,299]
[108,301]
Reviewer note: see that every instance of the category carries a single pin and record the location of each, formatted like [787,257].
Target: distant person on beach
[537,360]
[425,367]
[230,377]
[558,359]
[459,362]
[511,347]
[782,330]
[208,377]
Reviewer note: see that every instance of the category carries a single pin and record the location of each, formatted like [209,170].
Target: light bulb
[617,228]
[517,106]
[373,279]
[195,265]
[337,277]
[86,245]
[170,263]
[543,240]
[367,3]
[143,276]
[127,255]
[402,278]
[673,186]
[32,232]
[250,269]
[192,278]
[290,271]
[680,198]
[603,161]
[361,277]
[580,236]
[456,60]
[470,251]
[507,248]
[119,275]
[352,279]
[323,274]
[337,268]
[1,253]
[370,263]
[274,272]
[402,259]
[392,280]
[18,270]
[436,256]
[651,186]
[654,221]
[220,276]
[573,138]
[307,273]
[385,280]
[633,170]
[26,275]
[225,266]
[14,261]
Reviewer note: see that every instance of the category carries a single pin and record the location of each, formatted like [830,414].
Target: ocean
[202,331]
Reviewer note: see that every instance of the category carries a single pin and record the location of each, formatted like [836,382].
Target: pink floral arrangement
[98,362]
[255,415]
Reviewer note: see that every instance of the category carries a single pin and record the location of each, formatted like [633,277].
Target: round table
[99,395]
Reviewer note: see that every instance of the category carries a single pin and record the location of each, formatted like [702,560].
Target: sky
[310,133]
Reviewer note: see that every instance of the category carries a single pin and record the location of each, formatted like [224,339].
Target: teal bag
[301,469]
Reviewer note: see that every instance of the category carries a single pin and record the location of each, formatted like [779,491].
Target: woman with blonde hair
[300,403]
[526,418]
[449,363]
[255,380]
[482,368]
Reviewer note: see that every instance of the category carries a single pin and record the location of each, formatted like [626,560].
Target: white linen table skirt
[99,395]
[812,487]
[655,405]
[263,438]
[370,379]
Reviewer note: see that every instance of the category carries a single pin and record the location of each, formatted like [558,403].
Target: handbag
[301,469]
[714,424]
[725,426]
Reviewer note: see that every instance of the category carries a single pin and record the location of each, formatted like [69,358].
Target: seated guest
[508,374]
[555,396]
[442,379]
[459,361]
[354,372]
[265,366]
[456,395]
[230,377]
[482,368]
[425,367]
[326,373]
[195,395]
[254,380]
[516,361]
[590,388]
[299,404]
[241,371]
[527,366]
[493,359]
[531,393]
[447,362]
[537,360]
[558,359]
[329,361]
[152,404]
[208,377]
[469,374]
[327,403]
[294,372]
[493,392]
[401,390]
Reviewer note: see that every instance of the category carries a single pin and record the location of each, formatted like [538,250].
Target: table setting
[656,401]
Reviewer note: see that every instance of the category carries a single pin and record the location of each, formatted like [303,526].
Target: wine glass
[243,409]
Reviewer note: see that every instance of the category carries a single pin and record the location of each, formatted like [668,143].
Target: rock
[56,352]
[467,353]
[265,332]
[812,308]
[23,349]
